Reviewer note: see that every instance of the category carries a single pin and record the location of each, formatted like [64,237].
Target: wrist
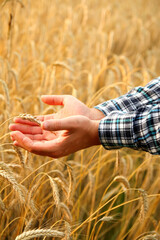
[96,114]
[95,132]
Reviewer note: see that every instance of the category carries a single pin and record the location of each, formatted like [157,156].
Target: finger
[12,138]
[25,128]
[16,143]
[53,99]
[44,148]
[59,124]
[36,137]
[36,152]
[22,141]
[38,147]
[23,121]
[46,117]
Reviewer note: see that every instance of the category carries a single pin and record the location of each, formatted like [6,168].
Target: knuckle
[57,125]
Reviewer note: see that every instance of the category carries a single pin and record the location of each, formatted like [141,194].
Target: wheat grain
[39,233]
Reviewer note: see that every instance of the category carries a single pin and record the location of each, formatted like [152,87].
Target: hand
[70,135]
[71,106]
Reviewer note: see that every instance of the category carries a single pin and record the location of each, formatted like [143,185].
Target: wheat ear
[63,185]
[30,118]
[144,204]
[64,206]
[20,155]
[70,183]
[146,235]
[4,166]
[2,204]
[39,233]
[55,191]
[67,230]
[150,237]
[107,219]
[14,183]
[123,180]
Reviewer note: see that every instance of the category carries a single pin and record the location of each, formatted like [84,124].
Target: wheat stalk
[39,233]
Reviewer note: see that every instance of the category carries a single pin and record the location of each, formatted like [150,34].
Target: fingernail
[12,134]
[11,138]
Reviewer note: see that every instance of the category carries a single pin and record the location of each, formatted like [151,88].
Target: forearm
[139,129]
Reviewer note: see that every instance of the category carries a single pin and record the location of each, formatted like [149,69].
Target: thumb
[53,99]
[59,124]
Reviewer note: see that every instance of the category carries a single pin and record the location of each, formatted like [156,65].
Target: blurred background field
[95,50]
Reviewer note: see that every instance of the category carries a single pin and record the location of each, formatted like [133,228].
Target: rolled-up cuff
[116,131]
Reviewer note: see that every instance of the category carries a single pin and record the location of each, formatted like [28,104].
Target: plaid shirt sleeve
[133,120]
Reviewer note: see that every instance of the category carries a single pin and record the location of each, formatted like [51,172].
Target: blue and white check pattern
[133,120]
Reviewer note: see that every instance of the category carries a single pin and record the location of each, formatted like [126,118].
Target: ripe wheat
[30,118]
[39,233]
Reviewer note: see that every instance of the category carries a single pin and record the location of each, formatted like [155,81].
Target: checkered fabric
[133,120]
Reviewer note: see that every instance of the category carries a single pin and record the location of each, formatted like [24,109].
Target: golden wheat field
[95,50]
